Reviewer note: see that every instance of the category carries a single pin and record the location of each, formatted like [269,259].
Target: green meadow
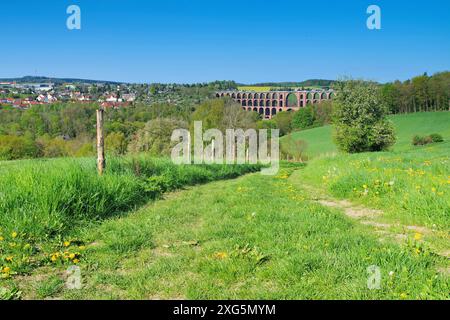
[149,230]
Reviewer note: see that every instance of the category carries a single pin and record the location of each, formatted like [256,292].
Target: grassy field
[320,140]
[255,237]
[311,232]
[45,202]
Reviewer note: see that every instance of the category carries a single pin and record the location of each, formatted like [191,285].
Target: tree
[116,143]
[360,118]
[283,121]
[155,137]
[302,119]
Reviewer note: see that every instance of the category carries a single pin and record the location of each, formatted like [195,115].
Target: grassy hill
[320,139]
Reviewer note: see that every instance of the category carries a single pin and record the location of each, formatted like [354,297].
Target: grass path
[255,237]
[437,241]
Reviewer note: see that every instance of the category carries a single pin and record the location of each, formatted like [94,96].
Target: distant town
[25,95]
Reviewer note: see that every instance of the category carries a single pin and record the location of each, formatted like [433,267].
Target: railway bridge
[269,103]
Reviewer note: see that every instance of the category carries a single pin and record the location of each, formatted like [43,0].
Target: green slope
[320,139]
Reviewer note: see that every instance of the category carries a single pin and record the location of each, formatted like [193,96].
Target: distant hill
[306,83]
[38,79]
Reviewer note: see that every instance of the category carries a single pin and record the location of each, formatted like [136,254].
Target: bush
[303,119]
[424,140]
[360,118]
[436,137]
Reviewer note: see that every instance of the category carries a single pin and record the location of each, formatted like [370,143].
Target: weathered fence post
[101,162]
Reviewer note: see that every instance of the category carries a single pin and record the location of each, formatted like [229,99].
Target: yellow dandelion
[75,261]
[6,270]
[14,235]
[1,238]
[418,236]
[71,256]
[221,255]
[54,258]
[433,190]
[403,296]
[66,243]
[9,259]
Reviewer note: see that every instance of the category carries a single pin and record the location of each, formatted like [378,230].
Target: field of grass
[320,140]
[291,236]
[255,237]
[44,202]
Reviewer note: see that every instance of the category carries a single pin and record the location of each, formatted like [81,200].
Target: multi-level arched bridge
[270,103]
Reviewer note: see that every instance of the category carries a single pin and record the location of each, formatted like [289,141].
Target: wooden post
[101,162]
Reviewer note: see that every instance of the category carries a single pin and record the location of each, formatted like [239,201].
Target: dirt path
[370,217]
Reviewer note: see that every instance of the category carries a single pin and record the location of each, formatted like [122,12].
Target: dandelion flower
[14,235]
[66,243]
[417,236]
[1,238]
[221,255]
[75,261]
[403,296]
[9,259]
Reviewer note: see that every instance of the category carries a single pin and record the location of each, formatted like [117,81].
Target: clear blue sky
[203,40]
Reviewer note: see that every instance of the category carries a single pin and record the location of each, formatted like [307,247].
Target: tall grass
[46,198]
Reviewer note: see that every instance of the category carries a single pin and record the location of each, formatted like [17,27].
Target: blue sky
[204,40]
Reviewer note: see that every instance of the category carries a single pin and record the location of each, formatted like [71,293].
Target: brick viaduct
[269,103]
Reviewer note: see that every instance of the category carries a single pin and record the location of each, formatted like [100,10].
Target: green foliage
[116,143]
[422,93]
[303,119]
[283,121]
[360,119]
[423,140]
[436,137]
[15,147]
[155,137]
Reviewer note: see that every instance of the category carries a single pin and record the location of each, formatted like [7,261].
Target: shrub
[360,118]
[424,140]
[303,119]
[436,137]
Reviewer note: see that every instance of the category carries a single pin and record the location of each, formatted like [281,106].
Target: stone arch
[281,103]
[309,96]
[315,101]
[244,96]
[255,109]
[280,110]
[261,110]
[275,96]
[292,100]
[274,103]
[267,112]
[244,103]
[239,101]
[274,111]
[324,96]
[256,96]
[308,102]
[217,95]
[289,110]
[255,103]
[262,96]
[267,103]
[228,94]
[261,103]
[281,96]
[316,96]
[250,103]
[331,95]
[239,96]
[301,104]
[233,96]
